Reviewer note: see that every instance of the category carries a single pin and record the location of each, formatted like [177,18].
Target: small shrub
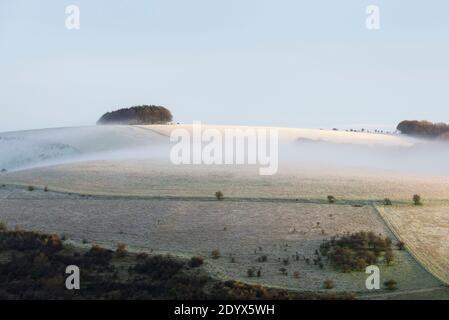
[389,257]
[85,241]
[262,258]
[215,254]
[391,284]
[259,273]
[99,255]
[387,202]
[331,199]
[286,261]
[121,250]
[142,256]
[250,272]
[2,226]
[45,189]
[30,188]
[161,268]
[417,200]
[328,284]
[219,195]
[195,262]
[296,275]
[283,271]
[400,245]
[4,170]
[96,250]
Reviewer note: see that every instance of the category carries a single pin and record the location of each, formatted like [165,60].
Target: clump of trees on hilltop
[144,114]
[425,129]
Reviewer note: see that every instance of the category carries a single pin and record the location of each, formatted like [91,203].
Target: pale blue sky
[283,63]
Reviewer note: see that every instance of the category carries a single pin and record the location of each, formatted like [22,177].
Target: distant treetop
[144,114]
[425,129]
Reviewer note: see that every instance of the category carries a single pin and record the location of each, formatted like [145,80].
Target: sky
[291,63]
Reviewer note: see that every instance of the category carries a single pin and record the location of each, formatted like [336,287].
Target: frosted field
[240,229]
[157,178]
[115,184]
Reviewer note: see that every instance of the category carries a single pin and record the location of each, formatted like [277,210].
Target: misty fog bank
[40,148]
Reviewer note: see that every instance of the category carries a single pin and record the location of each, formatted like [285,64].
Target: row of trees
[331,199]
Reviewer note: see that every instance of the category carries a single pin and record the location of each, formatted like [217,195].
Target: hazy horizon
[285,63]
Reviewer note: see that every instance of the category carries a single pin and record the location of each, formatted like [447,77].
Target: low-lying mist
[424,157]
[33,149]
